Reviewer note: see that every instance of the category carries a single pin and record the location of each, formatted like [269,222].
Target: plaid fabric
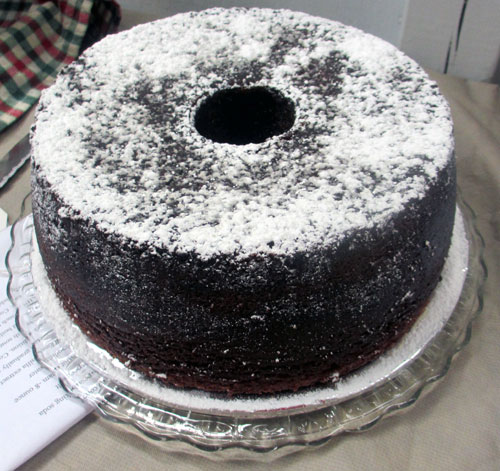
[37,38]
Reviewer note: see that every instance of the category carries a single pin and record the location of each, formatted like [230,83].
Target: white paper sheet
[34,408]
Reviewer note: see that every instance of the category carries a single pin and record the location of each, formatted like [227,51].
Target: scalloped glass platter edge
[261,436]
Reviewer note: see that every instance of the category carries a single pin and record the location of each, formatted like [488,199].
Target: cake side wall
[333,307]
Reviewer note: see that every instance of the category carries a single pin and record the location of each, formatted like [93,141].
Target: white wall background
[460,37]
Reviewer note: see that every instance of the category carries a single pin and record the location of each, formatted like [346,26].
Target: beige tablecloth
[454,427]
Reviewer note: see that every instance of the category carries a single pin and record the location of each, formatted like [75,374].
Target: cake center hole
[244,115]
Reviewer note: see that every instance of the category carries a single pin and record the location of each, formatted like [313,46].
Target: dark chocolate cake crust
[251,256]
[305,326]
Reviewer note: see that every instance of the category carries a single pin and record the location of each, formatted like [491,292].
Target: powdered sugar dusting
[115,135]
[440,307]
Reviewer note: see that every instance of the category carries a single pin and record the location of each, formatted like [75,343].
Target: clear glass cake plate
[222,428]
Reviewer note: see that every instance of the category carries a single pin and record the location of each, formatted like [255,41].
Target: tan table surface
[454,427]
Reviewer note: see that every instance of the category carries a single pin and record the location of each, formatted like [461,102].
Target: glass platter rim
[285,433]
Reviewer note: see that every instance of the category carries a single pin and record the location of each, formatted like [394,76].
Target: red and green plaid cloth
[37,38]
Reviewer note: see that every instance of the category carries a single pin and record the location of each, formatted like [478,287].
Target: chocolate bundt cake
[243,200]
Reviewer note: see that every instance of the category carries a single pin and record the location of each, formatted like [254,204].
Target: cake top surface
[118,140]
